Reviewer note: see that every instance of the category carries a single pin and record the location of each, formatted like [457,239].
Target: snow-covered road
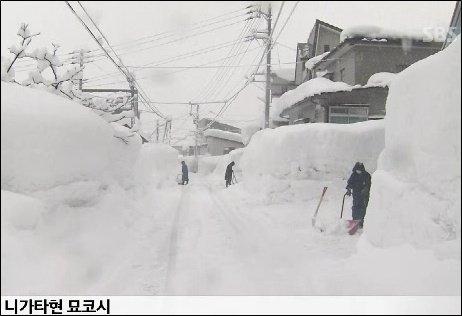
[221,244]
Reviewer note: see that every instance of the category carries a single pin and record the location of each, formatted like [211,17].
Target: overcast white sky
[127,21]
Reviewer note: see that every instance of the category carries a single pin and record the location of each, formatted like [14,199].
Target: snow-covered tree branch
[61,78]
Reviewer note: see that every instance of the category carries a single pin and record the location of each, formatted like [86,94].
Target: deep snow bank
[47,140]
[315,151]
[416,193]
[75,200]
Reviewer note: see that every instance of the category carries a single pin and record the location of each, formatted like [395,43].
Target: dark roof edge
[355,40]
[329,92]
[336,28]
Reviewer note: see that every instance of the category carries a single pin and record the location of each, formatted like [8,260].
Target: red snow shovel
[313,220]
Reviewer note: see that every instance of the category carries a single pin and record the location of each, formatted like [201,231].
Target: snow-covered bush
[314,151]
[416,193]
[48,140]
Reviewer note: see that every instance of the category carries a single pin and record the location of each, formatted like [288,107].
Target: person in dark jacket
[360,183]
[229,174]
[184,173]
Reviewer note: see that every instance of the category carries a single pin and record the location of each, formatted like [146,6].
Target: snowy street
[231,149]
[220,244]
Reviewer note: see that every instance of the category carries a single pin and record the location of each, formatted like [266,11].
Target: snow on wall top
[376,32]
[310,63]
[381,79]
[235,137]
[308,89]
[330,153]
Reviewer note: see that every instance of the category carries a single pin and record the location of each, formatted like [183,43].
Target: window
[326,48]
[348,114]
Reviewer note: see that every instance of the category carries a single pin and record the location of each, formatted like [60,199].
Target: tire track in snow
[173,241]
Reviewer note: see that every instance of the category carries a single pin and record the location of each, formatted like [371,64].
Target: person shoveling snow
[359,184]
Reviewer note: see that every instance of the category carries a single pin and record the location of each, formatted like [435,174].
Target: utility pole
[132,96]
[81,57]
[268,69]
[78,57]
[157,130]
[196,135]
[264,35]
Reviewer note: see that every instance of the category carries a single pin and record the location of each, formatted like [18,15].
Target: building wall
[360,61]
[328,37]
[216,146]
[345,69]
[455,25]
[377,102]
[304,110]
[342,69]
[371,59]
[300,65]
[375,98]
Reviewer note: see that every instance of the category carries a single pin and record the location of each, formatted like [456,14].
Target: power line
[216,80]
[285,22]
[176,58]
[164,74]
[142,94]
[170,34]
[126,74]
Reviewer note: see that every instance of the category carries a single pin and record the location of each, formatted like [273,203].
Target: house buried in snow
[222,142]
[355,76]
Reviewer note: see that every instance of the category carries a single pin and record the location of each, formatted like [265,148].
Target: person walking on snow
[184,173]
[229,174]
[360,183]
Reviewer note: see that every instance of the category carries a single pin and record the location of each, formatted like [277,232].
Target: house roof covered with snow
[380,79]
[306,90]
[235,137]
[374,35]
[309,64]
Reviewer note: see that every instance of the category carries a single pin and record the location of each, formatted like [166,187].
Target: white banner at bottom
[235,305]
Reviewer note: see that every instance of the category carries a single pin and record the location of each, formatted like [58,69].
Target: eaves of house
[376,42]
[343,96]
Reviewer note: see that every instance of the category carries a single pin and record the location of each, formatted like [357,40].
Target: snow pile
[48,140]
[416,195]
[309,64]
[248,131]
[235,137]
[306,90]
[315,151]
[378,33]
[156,165]
[74,200]
[381,79]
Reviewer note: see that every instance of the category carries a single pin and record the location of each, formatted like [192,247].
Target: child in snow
[184,172]
[229,173]
[360,183]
